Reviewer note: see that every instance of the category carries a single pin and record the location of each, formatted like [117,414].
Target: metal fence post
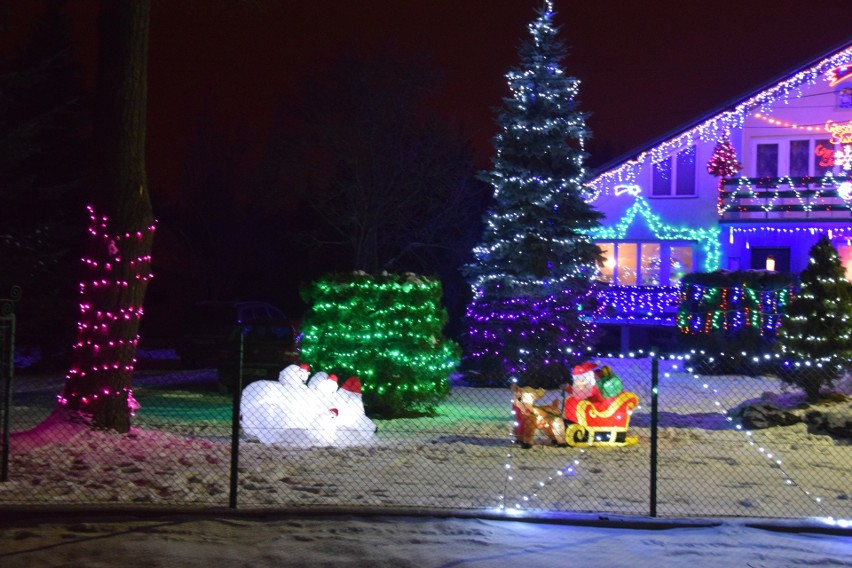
[235,426]
[655,368]
[7,370]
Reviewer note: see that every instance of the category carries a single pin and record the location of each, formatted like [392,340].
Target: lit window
[608,266]
[845,254]
[650,264]
[645,264]
[681,263]
[626,267]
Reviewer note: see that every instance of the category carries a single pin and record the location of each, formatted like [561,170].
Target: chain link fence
[715,442]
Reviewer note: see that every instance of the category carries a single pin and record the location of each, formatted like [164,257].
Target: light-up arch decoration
[707,238]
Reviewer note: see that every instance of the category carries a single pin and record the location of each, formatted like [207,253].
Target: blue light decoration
[638,304]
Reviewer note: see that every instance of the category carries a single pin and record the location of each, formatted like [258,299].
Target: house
[668,215]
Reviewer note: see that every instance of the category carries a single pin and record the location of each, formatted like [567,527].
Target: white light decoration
[719,126]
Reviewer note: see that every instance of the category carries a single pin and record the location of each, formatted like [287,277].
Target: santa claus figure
[584,387]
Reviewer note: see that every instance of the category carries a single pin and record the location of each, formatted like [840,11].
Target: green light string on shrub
[388,331]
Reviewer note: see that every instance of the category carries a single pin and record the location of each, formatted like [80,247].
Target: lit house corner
[751,186]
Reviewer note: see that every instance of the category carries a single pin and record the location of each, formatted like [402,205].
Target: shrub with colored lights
[732,312]
[815,340]
[386,330]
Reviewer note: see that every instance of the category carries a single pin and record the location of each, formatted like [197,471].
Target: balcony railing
[815,198]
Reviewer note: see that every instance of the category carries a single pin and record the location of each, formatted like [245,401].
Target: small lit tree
[815,338]
[723,163]
[386,330]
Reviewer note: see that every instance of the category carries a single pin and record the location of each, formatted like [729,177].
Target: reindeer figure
[530,418]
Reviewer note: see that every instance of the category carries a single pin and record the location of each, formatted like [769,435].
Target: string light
[708,238]
[532,277]
[769,195]
[785,124]
[99,349]
[388,331]
[719,126]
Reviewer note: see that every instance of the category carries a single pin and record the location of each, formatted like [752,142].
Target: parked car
[212,339]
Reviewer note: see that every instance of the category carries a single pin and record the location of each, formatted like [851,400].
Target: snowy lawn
[461,459]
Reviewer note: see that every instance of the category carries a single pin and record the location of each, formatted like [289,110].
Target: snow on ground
[462,459]
[401,542]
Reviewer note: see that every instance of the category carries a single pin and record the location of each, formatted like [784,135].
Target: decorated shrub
[386,330]
[815,339]
[732,312]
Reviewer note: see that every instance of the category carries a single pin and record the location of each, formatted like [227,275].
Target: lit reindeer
[530,418]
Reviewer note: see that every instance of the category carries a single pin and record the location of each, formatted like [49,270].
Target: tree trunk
[118,262]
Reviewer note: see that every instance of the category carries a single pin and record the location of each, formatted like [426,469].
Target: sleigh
[603,422]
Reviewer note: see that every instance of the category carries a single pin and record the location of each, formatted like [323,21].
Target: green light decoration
[708,238]
[818,323]
[386,330]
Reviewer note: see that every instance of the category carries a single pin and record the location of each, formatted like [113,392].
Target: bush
[816,336]
[386,330]
[732,312]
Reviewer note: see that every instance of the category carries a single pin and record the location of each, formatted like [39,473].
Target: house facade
[790,181]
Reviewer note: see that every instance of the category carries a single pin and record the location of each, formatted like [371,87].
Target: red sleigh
[595,420]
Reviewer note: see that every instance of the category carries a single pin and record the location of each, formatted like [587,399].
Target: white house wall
[800,106]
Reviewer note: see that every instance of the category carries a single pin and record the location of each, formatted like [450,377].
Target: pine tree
[723,162]
[532,275]
[815,337]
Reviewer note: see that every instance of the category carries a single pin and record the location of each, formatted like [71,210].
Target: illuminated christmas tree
[386,330]
[723,162]
[816,335]
[532,279]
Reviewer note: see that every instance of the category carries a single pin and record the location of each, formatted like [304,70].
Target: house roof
[722,119]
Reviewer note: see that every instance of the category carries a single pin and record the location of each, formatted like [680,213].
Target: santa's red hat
[352,384]
[584,368]
[332,378]
[305,367]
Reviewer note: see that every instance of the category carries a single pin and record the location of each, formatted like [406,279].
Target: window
[645,264]
[767,160]
[800,155]
[825,165]
[678,172]
[681,263]
[685,185]
[845,254]
[650,263]
[804,157]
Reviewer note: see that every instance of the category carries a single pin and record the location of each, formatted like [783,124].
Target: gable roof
[715,124]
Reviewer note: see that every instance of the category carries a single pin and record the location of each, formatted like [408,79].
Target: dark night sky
[646,67]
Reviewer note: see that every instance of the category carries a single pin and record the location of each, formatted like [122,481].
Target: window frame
[672,161]
[665,247]
[784,144]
